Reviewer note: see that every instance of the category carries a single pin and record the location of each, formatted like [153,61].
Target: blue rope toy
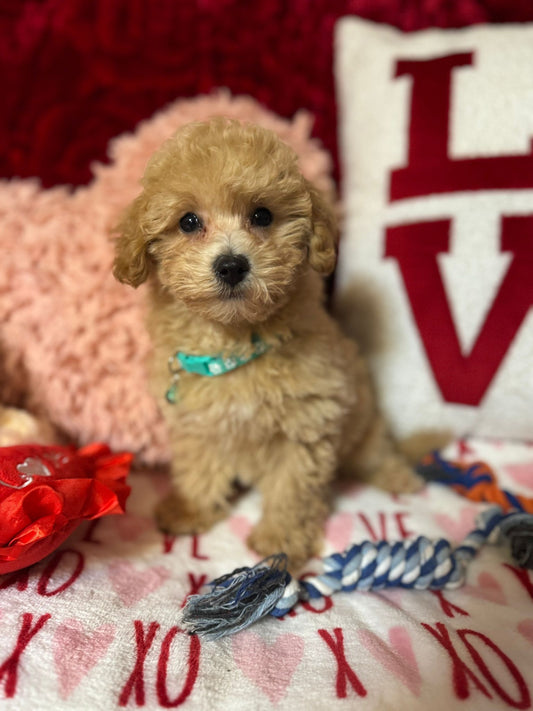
[246,595]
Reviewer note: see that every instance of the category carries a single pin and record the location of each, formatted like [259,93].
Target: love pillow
[435,273]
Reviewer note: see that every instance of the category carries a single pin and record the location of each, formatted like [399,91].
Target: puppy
[235,243]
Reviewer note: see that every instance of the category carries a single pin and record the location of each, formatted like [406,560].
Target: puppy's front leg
[295,491]
[201,487]
[177,514]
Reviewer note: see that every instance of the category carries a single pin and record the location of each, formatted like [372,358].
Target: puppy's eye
[190,222]
[262,217]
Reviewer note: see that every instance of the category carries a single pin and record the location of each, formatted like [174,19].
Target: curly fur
[290,420]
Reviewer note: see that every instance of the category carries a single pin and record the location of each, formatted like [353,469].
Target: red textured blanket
[75,73]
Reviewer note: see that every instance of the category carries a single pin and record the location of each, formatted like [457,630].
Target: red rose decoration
[45,492]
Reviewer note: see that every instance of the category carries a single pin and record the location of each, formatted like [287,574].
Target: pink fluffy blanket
[73,341]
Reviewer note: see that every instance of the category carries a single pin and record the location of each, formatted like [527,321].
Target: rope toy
[239,599]
[476,481]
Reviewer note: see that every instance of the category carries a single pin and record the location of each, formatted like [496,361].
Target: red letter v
[463,378]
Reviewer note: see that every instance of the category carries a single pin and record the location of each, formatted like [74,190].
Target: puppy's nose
[231,268]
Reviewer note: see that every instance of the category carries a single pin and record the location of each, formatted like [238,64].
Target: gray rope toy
[246,595]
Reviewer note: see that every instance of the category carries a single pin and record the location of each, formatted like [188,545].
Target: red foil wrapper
[46,491]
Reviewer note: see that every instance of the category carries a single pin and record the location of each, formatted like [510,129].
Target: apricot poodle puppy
[263,388]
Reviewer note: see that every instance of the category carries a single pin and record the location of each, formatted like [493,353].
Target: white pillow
[435,272]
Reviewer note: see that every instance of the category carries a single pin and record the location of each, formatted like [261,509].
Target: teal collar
[208,365]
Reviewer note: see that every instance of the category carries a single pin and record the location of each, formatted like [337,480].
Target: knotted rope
[476,481]
[248,594]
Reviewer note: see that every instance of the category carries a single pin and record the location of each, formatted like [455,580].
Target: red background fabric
[75,73]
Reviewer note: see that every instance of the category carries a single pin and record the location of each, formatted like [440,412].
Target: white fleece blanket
[94,625]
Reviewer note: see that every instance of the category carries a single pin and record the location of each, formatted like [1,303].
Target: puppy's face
[225,223]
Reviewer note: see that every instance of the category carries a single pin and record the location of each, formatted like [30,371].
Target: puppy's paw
[299,544]
[174,517]
[397,476]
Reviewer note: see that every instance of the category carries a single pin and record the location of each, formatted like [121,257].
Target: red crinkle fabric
[75,73]
[45,492]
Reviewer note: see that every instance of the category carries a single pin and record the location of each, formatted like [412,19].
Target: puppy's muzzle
[231,269]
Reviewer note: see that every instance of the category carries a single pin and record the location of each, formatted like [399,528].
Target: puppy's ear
[323,242]
[132,262]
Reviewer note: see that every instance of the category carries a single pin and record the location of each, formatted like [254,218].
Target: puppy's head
[225,222]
